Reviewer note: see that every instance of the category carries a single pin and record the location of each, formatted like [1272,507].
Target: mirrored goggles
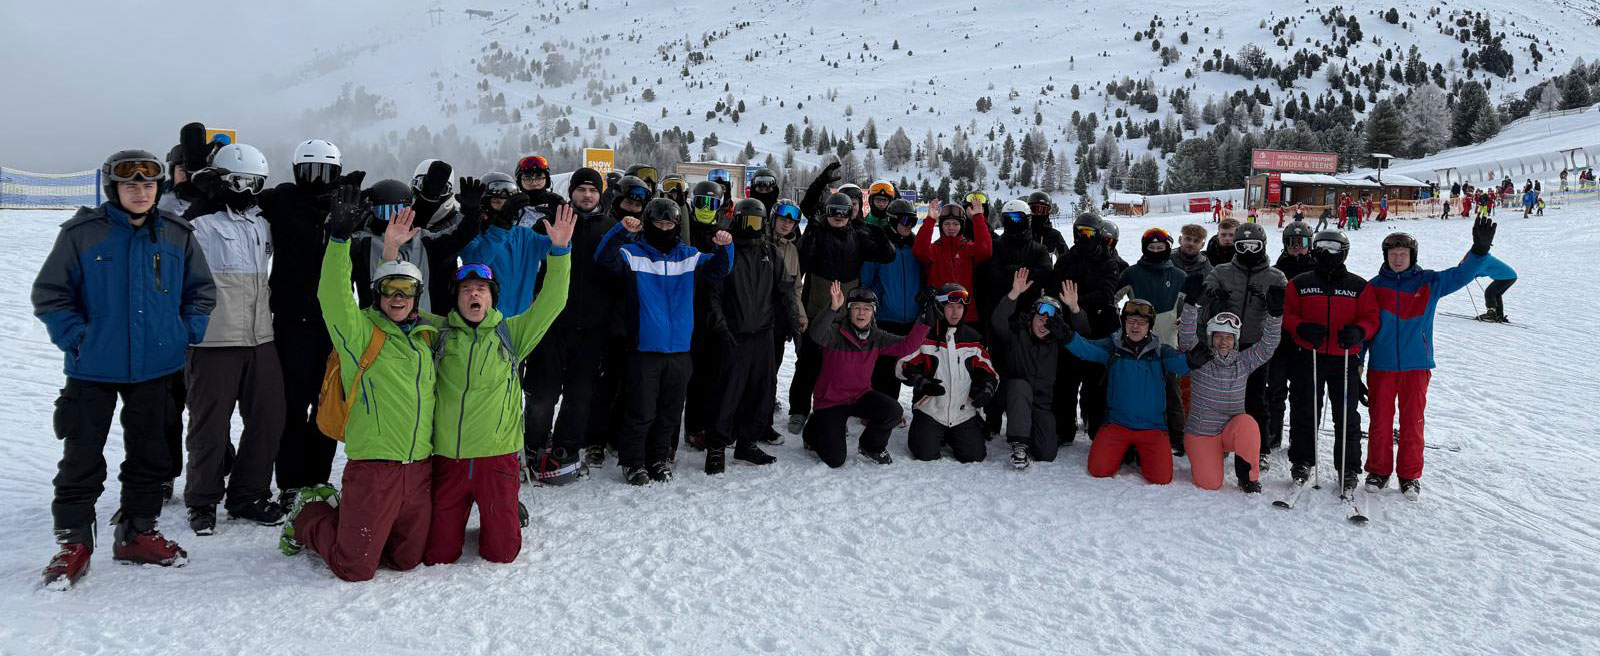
[402,287]
[958,296]
[131,170]
[248,183]
[1249,246]
[786,211]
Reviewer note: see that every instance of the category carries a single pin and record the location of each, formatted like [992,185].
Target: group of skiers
[461,335]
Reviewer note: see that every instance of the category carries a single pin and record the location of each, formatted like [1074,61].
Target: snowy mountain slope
[1498,557]
[837,59]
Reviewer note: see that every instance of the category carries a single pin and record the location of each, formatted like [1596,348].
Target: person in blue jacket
[896,283]
[1137,366]
[1501,277]
[1400,355]
[659,271]
[512,250]
[123,293]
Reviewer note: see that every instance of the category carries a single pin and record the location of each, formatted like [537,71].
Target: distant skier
[1501,277]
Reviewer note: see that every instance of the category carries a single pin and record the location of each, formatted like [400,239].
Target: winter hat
[585,176]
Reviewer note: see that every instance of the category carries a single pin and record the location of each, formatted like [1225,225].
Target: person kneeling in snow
[950,377]
[1028,353]
[1217,421]
[850,345]
[382,515]
[1136,401]
[477,414]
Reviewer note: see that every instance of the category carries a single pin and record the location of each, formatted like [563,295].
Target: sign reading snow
[1293,160]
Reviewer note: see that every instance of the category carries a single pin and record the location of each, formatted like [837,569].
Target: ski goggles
[500,189]
[322,172]
[852,191]
[1087,232]
[1249,246]
[1139,308]
[1330,246]
[839,211]
[1157,233]
[977,197]
[957,296]
[1015,217]
[714,175]
[952,212]
[1046,309]
[764,183]
[533,164]
[647,174]
[131,170]
[1228,319]
[861,305]
[787,211]
[401,287]
[673,184]
[248,183]
[474,272]
[881,189]
[1297,241]
[752,222]
[904,218]
[706,203]
[387,211]
[640,194]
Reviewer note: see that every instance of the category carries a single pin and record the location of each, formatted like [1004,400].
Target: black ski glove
[1193,287]
[983,384]
[346,213]
[829,174]
[1482,235]
[1351,335]
[353,179]
[436,182]
[1313,333]
[196,152]
[927,386]
[932,314]
[470,194]
[1219,294]
[1275,301]
[208,181]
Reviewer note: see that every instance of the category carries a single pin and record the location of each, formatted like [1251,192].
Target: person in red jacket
[1330,312]
[953,257]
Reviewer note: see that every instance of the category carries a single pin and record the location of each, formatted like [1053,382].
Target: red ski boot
[69,565]
[139,543]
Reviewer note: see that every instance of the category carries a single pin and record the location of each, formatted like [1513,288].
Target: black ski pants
[966,439]
[564,367]
[1289,356]
[1305,400]
[82,422]
[807,367]
[219,378]
[749,390]
[655,384]
[1493,295]
[1030,421]
[825,429]
[305,455]
[1080,385]
[883,379]
[700,404]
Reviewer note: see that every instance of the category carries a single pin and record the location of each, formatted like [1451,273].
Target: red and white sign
[1199,205]
[1293,160]
[1274,188]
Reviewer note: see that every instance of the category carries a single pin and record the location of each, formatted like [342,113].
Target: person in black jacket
[750,300]
[295,212]
[1026,351]
[533,178]
[708,214]
[832,249]
[625,198]
[1040,204]
[441,213]
[1014,250]
[1081,384]
[1293,261]
[566,364]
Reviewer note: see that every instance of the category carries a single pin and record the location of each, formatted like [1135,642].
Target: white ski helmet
[1224,322]
[397,268]
[421,173]
[317,151]
[241,158]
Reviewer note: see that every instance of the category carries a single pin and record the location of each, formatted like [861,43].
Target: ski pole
[1316,384]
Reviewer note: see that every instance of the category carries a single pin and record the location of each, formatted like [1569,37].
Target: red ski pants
[1154,446]
[1386,389]
[382,518]
[1241,436]
[491,483]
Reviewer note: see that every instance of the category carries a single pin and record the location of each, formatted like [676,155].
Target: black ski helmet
[1330,247]
[1401,240]
[109,177]
[1110,232]
[1297,230]
[1250,232]
[1085,220]
[838,202]
[706,188]
[1041,198]
[860,295]
[388,192]
[901,207]
[634,186]
[744,213]
[499,185]
[662,209]
[764,176]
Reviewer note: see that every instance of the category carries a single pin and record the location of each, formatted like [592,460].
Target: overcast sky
[85,78]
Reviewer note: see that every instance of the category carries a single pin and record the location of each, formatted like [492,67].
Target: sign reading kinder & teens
[1293,160]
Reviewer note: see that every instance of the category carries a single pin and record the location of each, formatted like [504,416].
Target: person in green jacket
[477,417]
[382,514]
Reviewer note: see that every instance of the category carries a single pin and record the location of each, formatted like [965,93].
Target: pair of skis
[1353,512]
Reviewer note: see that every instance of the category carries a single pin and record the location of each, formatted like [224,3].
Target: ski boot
[1250,487]
[797,424]
[696,440]
[750,454]
[595,456]
[1411,487]
[522,514]
[716,460]
[661,472]
[1351,481]
[636,476]
[166,491]
[1019,456]
[203,519]
[1375,483]
[878,458]
[261,511]
[139,543]
[71,563]
[1300,473]
[772,438]
[287,543]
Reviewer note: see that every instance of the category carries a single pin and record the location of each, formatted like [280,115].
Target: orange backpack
[333,404]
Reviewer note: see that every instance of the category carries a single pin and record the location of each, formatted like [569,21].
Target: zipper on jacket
[461,416]
[416,421]
[160,287]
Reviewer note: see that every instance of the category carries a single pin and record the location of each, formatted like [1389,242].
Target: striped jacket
[1218,386]
[238,248]
[955,360]
[660,287]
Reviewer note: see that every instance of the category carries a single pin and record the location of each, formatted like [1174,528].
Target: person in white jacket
[951,376]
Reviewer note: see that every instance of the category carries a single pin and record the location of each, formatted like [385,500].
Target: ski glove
[830,174]
[208,181]
[196,152]
[1351,335]
[926,386]
[346,213]
[1219,294]
[1313,333]
[1275,300]
[1482,235]
[1194,287]
[932,314]
[353,179]
[470,195]
[983,384]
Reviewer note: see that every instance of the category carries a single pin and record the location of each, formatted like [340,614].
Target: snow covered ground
[1501,555]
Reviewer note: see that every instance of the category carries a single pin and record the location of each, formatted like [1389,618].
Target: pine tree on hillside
[1487,125]
[1575,93]
[1427,121]
[1385,133]
[1471,102]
